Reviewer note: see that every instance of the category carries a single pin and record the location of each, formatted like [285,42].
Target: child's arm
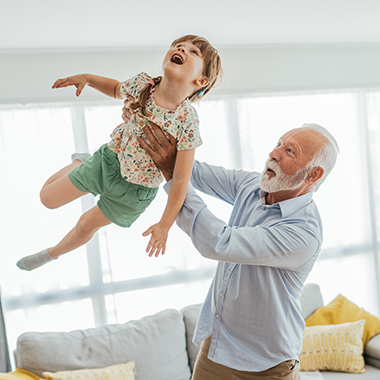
[108,86]
[178,189]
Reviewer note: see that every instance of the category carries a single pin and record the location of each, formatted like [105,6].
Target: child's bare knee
[85,226]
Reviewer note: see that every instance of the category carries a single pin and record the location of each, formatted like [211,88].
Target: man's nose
[275,155]
[181,48]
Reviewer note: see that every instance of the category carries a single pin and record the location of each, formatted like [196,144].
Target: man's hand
[162,150]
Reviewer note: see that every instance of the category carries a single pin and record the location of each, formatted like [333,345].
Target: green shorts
[120,201]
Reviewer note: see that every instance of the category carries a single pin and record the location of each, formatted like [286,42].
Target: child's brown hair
[212,69]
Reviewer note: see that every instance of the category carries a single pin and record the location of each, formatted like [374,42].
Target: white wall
[27,76]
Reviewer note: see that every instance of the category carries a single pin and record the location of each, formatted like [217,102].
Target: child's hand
[79,81]
[157,242]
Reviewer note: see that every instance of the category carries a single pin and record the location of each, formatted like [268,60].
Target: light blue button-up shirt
[264,254]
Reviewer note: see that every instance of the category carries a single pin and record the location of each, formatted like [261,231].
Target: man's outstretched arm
[213,237]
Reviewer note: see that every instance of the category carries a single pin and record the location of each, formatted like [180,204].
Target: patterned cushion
[333,347]
[342,310]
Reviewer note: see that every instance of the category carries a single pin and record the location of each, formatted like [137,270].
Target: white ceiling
[73,24]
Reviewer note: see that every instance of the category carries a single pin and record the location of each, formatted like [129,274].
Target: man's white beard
[281,181]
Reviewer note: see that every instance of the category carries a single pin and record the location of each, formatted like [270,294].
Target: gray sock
[82,157]
[35,261]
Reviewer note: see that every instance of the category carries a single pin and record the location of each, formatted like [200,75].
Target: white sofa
[160,344]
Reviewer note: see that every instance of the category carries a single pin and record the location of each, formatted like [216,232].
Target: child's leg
[77,159]
[90,222]
[58,190]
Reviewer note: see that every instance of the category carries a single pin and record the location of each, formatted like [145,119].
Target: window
[348,199]
[111,279]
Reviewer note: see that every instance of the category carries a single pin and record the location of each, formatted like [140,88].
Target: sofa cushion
[190,316]
[371,373]
[156,343]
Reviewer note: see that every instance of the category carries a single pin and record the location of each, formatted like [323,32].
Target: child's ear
[202,82]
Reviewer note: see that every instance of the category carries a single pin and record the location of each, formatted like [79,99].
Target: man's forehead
[304,140]
[302,135]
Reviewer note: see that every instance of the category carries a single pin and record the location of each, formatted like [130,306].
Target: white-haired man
[251,324]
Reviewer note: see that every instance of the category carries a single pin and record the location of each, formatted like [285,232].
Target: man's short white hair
[326,156]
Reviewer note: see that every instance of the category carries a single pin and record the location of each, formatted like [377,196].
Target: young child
[121,172]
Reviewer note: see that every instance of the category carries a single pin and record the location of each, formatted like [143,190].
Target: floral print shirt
[135,164]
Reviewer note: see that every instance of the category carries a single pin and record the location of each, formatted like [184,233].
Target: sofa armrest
[372,351]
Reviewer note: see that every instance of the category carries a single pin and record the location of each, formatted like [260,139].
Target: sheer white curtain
[112,279]
[35,142]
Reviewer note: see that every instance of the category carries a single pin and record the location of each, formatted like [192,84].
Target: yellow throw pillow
[19,374]
[333,347]
[115,372]
[341,310]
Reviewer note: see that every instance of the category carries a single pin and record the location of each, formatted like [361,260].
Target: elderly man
[251,324]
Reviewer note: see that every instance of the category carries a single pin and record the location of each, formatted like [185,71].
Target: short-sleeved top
[135,164]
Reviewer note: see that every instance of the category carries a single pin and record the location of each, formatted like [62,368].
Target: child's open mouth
[177,59]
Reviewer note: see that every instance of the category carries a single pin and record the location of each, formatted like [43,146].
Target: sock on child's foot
[35,261]
[82,157]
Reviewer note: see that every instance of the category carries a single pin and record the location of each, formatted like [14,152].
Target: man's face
[287,166]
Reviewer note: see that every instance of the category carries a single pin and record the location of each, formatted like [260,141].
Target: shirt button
[217,316]
[228,272]
[221,294]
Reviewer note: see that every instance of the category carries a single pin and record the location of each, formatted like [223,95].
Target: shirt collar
[291,205]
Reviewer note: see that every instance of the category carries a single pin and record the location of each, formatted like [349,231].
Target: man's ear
[202,82]
[314,175]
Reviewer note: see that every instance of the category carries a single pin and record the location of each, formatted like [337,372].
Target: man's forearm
[280,246]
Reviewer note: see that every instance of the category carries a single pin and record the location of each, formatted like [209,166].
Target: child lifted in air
[120,171]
